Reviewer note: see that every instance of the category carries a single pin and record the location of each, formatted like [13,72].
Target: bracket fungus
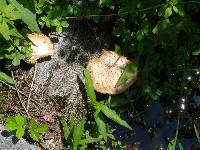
[107,69]
[41,47]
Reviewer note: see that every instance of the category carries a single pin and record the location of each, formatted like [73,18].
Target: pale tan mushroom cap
[106,71]
[41,47]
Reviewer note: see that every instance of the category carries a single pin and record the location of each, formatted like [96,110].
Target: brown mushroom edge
[41,47]
[106,71]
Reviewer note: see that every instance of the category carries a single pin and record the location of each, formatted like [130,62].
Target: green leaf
[89,86]
[3,4]
[77,133]
[6,78]
[89,140]
[4,30]
[180,146]
[59,28]
[196,52]
[70,9]
[71,122]
[35,136]
[172,144]
[64,24]
[117,101]
[197,133]
[27,16]
[32,124]
[11,123]
[65,127]
[19,132]
[162,25]
[42,128]
[175,9]
[168,12]
[101,126]
[175,1]
[180,10]
[129,72]
[117,49]
[54,22]
[20,120]
[111,114]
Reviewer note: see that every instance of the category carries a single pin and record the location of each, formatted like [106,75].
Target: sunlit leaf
[101,126]
[4,30]
[77,133]
[111,114]
[4,77]
[168,12]
[27,16]
[20,120]
[89,86]
[129,72]
[65,127]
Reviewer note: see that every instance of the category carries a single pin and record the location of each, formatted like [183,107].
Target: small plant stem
[31,88]
[16,89]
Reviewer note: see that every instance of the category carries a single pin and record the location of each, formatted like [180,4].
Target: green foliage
[129,72]
[89,86]
[26,15]
[19,124]
[196,129]
[36,130]
[4,77]
[111,114]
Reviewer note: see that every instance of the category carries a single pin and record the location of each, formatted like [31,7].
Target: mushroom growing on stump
[41,47]
[106,71]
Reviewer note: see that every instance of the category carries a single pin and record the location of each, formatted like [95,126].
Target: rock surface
[54,87]
[10,142]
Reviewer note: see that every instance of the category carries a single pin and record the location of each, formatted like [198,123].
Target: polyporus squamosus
[106,71]
[41,47]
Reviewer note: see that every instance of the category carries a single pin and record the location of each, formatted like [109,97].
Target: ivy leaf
[111,114]
[129,72]
[77,133]
[27,16]
[89,86]
[6,78]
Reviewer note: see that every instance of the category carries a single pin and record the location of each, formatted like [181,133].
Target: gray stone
[10,142]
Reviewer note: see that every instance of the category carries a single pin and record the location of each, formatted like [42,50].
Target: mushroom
[106,70]
[41,47]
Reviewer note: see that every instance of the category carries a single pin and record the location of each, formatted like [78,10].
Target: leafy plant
[16,124]
[98,106]
[197,133]
[19,124]
[36,130]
